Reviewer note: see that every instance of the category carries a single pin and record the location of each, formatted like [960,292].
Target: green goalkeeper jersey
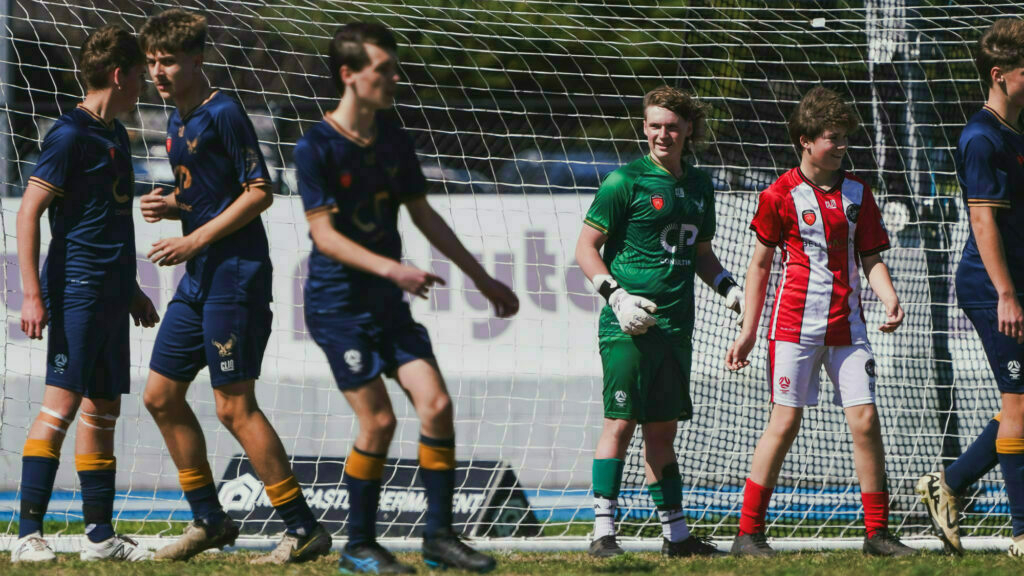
[653,222]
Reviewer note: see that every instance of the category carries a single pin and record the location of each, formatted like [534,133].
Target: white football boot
[117,547]
[32,548]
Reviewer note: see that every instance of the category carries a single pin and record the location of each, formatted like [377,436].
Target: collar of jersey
[201,104]
[835,187]
[96,117]
[1002,120]
[361,142]
[654,161]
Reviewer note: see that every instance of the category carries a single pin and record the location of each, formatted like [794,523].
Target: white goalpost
[518,109]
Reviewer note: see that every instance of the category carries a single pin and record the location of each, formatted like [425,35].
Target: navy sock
[363,495]
[979,458]
[97,503]
[293,510]
[1011,460]
[205,505]
[437,469]
[37,476]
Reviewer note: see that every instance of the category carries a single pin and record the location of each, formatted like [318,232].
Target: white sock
[604,517]
[673,525]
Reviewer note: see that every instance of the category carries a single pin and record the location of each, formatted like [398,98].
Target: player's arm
[33,204]
[711,271]
[634,313]
[440,235]
[157,206]
[881,282]
[993,256]
[341,248]
[755,286]
[253,200]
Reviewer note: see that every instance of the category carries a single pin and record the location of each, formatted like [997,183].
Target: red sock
[755,507]
[876,511]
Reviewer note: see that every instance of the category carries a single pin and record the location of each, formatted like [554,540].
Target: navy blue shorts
[1005,355]
[87,346]
[229,337]
[361,347]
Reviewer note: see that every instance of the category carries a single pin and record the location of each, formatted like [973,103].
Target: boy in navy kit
[87,291]
[220,316]
[990,281]
[355,169]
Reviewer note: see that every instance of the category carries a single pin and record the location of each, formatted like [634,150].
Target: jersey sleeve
[708,224]
[412,184]
[767,222]
[870,236]
[311,173]
[611,204]
[56,160]
[981,179]
[241,144]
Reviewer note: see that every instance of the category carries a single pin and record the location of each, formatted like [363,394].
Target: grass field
[838,563]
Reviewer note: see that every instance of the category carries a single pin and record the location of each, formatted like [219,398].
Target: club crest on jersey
[658,201]
[168,144]
[852,212]
[809,217]
[192,144]
[345,179]
[113,153]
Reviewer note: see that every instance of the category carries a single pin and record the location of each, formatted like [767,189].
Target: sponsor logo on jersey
[354,359]
[680,193]
[658,201]
[869,367]
[809,217]
[345,179]
[784,383]
[852,211]
[620,397]
[830,204]
[1013,367]
[60,362]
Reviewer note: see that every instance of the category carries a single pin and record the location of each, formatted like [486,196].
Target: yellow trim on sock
[195,478]
[95,461]
[998,417]
[284,491]
[36,448]
[437,457]
[1010,445]
[364,467]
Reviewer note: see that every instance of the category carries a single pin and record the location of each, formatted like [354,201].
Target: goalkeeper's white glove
[632,312]
[733,294]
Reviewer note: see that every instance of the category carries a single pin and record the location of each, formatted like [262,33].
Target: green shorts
[647,378]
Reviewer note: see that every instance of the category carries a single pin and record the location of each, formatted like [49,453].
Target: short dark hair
[174,30]
[819,110]
[346,48]
[1002,45]
[105,50]
[683,105]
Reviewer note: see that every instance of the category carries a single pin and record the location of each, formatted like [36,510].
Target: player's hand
[34,317]
[142,310]
[893,317]
[1011,317]
[154,207]
[413,280]
[173,251]
[734,302]
[736,357]
[632,312]
[506,303]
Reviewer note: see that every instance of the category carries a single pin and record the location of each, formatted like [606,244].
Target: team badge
[809,217]
[784,383]
[168,144]
[60,362]
[869,367]
[113,153]
[345,179]
[226,349]
[1014,368]
[1020,159]
[620,397]
[192,144]
[658,201]
[354,359]
[852,212]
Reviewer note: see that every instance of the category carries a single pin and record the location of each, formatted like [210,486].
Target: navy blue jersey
[990,165]
[86,163]
[361,187]
[216,155]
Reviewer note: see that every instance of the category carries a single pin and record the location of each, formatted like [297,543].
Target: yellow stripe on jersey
[46,186]
[256,182]
[595,226]
[321,210]
[988,203]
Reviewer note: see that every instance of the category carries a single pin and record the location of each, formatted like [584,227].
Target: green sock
[607,477]
[668,493]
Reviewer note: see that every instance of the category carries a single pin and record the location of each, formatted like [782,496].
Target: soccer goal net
[518,109]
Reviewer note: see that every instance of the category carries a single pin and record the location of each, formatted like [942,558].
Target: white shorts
[794,371]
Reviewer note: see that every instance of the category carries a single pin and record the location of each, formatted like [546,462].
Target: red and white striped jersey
[822,235]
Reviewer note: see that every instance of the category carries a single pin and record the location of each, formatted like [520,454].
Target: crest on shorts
[620,397]
[354,359]
[225,349]
[869,367]
[809,217]
[658,201]
[852,211]
[1013,367]
[784,383]
[60,362]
